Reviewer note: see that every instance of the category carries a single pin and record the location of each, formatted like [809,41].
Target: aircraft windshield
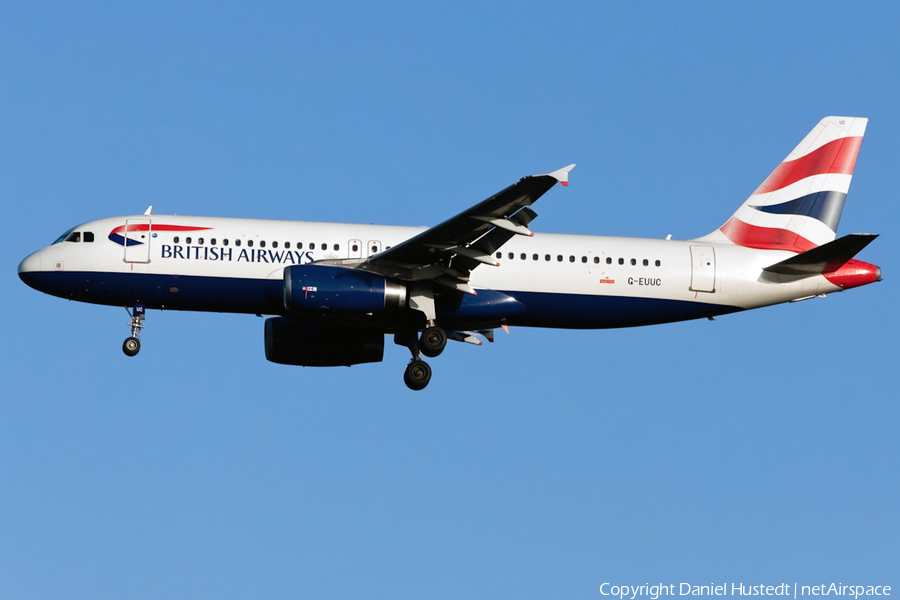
[63,237]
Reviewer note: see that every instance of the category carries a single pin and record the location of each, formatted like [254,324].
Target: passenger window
[657,263]
[324,246]
[355,248]
[75,236]
[584,259]
[596,260]
[621,261]
[559,258]
[646,262]
[499,255]
[633,262]
[274,244]
[176,239]
[212,242]
[546,257]
[262,243]
[534,257]
[88,236]
[337,247]
[571,258]
[312,246]
[225,242]
[237,242]
[187,240]
[609,260]
[374,249]
[511,256]
[287,244]
[523,256]
[250,243]
[200,241]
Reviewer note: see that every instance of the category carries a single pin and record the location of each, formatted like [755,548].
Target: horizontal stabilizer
[824,259]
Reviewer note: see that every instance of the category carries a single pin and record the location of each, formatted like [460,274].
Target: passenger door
[703,269]
[137,240]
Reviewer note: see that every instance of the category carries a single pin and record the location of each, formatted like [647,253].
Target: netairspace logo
[654,592]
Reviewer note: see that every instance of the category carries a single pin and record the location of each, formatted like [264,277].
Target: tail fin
[799,205]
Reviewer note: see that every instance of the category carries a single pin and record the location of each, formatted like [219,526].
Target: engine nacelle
[290,342]
[322,288]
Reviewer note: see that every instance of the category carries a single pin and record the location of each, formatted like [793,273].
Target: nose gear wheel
[132,345]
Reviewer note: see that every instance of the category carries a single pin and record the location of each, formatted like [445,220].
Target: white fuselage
[185,254]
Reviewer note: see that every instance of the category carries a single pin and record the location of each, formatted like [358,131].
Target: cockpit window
[75,236]
[88,236]
[63,236]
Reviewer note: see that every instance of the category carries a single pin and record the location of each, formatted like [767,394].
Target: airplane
[332,292]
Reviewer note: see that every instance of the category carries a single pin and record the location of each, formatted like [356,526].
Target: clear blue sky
[758,448]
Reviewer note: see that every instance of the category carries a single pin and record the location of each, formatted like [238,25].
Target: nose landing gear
[132,345]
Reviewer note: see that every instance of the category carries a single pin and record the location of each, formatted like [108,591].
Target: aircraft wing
[447,253]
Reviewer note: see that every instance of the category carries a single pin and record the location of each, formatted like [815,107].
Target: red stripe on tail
[837,157]
[765,238]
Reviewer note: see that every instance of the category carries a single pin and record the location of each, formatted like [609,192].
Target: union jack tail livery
[798,207]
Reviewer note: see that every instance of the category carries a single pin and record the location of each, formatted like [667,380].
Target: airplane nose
[31,264]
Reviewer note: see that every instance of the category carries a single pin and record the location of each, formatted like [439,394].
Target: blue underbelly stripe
[264,296]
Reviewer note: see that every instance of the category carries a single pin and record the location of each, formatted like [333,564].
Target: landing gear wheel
[131,346]
[417,375]
[433,341]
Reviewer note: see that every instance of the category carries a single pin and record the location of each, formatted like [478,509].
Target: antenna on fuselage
[149,210]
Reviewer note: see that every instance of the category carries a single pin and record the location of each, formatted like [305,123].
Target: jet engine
[292,342]
[321,288]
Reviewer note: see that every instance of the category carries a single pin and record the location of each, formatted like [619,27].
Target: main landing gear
[417,374]
[431,344]
[132,345]
[433,341]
